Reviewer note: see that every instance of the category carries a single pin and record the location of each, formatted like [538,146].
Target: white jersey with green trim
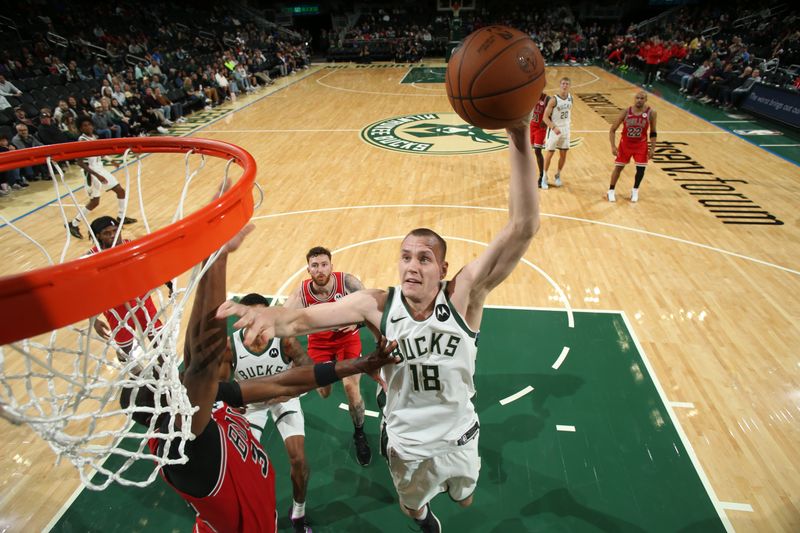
[560,117]
[249,365]
[429,397]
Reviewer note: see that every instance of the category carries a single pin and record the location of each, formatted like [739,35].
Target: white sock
[635,190]
[82,213]
[298,509]
[424,514]
[123,202]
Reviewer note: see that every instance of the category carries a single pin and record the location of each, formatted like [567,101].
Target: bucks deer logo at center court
[432,134]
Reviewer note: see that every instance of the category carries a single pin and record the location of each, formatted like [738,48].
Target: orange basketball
[495,77]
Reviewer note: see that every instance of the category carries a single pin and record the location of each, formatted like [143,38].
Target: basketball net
[66,384]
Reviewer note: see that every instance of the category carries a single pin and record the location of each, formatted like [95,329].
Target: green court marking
[424,75]
[623,469]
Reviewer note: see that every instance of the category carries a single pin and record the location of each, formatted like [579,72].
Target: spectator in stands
[738,94]
[62,110]
[175,108]
[7,88]
[10,179]
[153,109]
[49,132]
[23,139]
[223,86]
[103,127]
[118,94]
[716,82]
[4,103]
[21,118]
[73,73]
[686,80]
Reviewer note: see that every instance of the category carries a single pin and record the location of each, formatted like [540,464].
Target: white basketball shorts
[287,416]
[418,481]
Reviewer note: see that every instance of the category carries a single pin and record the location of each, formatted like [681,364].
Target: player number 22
[428,375]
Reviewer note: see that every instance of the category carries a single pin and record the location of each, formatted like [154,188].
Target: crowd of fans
[728,49]
[135,73]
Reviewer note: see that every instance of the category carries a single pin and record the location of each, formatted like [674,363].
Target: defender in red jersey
[539,132]
[144,310]
[339,345]
[228,478]
[635,143]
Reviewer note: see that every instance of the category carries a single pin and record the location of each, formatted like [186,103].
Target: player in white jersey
[98,180]
[557,116]
[267,359]
[431,425]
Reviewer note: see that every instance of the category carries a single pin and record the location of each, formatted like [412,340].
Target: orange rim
[49,298]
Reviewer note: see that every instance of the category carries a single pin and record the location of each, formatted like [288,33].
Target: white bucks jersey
[428,401]
[561,112]
[249,365]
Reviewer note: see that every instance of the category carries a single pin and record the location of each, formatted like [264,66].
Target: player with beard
[341,344]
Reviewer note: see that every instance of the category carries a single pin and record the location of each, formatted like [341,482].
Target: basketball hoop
[63,378]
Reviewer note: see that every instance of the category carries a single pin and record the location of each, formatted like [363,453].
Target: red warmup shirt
[244,496]
[328,339]
[653,53]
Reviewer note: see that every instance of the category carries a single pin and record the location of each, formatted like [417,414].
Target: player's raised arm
[206,337]
[504,252]
[269,322]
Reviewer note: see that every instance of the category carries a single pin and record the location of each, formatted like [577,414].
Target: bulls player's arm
[612,131]
[548,111]
[653,134]
[297,380]
[295,352]
[352,283]
[205,342]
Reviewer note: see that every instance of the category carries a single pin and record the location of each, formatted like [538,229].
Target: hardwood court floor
[714,304]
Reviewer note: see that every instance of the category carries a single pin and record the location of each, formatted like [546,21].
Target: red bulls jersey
[327,338]
[244,496]
[635,126]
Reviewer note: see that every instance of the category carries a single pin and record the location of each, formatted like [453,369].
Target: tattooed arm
[352,283]
[294,350]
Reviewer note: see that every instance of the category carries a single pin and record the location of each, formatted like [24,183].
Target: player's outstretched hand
[382,356]
[257,321]
[233,244]
[102,329]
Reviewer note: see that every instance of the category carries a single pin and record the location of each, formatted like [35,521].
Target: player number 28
[428,375]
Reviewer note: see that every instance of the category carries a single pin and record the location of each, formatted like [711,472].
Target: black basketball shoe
[431,524]
[299,525]
[363,453]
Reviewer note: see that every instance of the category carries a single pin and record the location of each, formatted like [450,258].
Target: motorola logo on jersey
[432,134]
[273,352]
[337,296]
[442,312]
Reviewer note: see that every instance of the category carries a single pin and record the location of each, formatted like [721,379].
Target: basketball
[495,77]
